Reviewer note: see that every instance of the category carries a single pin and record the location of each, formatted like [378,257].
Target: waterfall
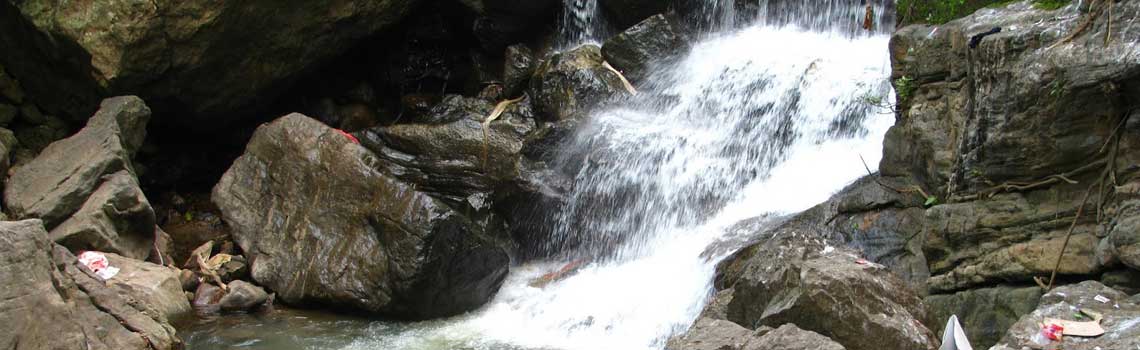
[764,120]
[581,23]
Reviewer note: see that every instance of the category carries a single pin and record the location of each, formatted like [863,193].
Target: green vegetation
[942,11]
[904,88]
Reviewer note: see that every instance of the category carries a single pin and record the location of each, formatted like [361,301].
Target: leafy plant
[904,88]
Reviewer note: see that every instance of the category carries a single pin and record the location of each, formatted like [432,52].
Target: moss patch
[942,11]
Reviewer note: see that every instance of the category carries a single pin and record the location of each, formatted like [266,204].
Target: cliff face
[1003,145]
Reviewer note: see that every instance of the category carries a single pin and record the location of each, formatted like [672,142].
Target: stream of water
[767,118]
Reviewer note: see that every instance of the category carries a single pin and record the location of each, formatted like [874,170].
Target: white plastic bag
[98,264]
[954,338]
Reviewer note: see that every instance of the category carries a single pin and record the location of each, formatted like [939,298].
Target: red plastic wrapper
[1052,331]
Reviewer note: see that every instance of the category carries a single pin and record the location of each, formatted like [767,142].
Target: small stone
[242,296]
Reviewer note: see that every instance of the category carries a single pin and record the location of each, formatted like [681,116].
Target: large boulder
[570,84]
[985,313]
[455,158]
[305,200]
[802,273]
[51,302]
[654,42]
[116,218]
[1121,317]
[59,181]
[204,58]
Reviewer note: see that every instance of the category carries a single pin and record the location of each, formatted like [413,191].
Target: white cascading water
[769,119]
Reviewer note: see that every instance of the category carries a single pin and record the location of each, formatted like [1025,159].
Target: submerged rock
[50,302]
[322,224]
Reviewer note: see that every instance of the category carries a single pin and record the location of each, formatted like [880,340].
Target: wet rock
[154,289]
[654,42]
[790,337]
[57,182]
[56,305]
[570,84]
[416,107]
[202,63]
[452,158]
[116,218]
[518,66]
[206,298]
[305,200]
[985,314]
[242,296]
[1121,319]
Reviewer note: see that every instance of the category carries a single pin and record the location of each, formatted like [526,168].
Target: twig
[1068,235]
[624,81]
[1024,186]
[498,111]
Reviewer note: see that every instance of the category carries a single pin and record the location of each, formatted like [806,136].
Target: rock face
[305,200]
[454,158]
[1121,317]
[985,314]
[654,42]
[570,84]
[206,57]
[50,302]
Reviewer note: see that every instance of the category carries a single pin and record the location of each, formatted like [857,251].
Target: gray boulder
[242,296]
[1121,317]
[116,218]
[305,200]
[152,288]
[570,84]
[50,302]
[58,182]
[654,42]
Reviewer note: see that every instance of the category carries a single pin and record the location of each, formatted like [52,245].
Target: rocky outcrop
[456,157]
[206,59]
[84,187]
[1121,320]
[51,302]
[570,84]
[305,200]
[804,273]
[654,42]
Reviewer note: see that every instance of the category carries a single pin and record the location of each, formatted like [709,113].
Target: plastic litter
[954,338]
[349,136]
[1080,328]
[98,263]
[1102,299]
